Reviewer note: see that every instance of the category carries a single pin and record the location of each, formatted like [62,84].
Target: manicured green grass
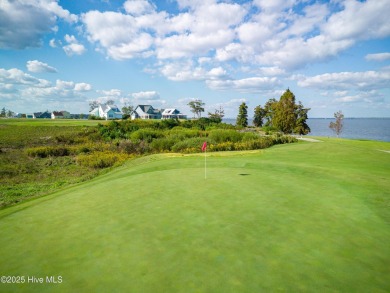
[306,217]
[51,122]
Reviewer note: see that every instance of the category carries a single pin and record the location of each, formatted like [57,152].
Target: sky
[60,55]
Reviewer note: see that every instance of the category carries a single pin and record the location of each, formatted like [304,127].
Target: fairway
[303,217]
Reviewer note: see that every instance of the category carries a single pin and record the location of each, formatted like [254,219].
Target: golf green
[305,217]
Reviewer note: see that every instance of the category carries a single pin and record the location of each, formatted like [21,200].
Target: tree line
[285,114]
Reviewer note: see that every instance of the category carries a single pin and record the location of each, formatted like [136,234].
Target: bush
[183,133]
[250,136]
[163,144]
[133,147]
[192,145]
[43,152]
[225,135]
[99,160]
[146,134]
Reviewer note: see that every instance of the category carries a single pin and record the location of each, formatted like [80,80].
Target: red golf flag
[204,146]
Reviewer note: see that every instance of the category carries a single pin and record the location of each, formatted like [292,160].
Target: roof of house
[55,113]
[149,109]
[171,111]
[45,114]
[107,108]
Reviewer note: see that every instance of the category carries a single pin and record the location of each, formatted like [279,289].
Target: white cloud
[274,5]
[52,43]
[378,57]
[148,95]
[272,71]
[24,23]
[25,89]
[138,7]
[237,51]
[368,97]
[37,66]
[252,84]
[73,47]
[347,80]
[60,84]
[111,93]
[194,44]
[70,39]
[18,77]
[183,71]
[359,21]
[146,98]
[82,87]
[117,34]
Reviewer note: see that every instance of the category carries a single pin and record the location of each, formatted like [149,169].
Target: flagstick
[205,164]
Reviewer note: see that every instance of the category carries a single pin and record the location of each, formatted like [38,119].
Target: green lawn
[305,217]
[51,122]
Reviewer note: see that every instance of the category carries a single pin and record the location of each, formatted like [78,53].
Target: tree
[10,114]
[301,126]
[196,107]
[285,115]
[337,126]
[127,109]
[93,105]
[269,109]
[217,115]
[259,116]
[3,112]
[242,118]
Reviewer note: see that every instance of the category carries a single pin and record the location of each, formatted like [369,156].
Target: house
[173,114]
[40,115]
[145,112]
[66,114]
[60,115]
[57,115]
[107,112]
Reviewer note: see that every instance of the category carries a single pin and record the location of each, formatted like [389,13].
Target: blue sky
[59,55]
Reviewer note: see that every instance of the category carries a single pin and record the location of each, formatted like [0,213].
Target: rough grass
[307,217]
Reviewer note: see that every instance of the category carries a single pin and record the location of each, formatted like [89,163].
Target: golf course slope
[303,217]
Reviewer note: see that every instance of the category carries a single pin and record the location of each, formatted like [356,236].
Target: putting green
[301,217]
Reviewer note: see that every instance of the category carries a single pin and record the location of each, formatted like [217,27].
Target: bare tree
[337,126]
[217,115]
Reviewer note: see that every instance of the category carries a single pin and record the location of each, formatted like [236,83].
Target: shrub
[250,136]
[224,135]
[163,144]
[99,160]
[222,147]
[183,133]
[146,134]
[133,147]
[43,152]
[193,144]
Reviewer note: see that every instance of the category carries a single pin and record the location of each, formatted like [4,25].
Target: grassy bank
[306,217]
[39,156]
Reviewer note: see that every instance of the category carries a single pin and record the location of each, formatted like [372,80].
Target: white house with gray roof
[107,112]
[172,114]
[145,112]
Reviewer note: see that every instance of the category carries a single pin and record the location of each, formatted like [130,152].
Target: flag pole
[204,149]
[205,164]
